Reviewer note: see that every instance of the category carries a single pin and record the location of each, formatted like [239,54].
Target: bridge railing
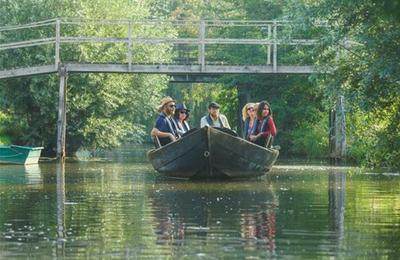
[202,43]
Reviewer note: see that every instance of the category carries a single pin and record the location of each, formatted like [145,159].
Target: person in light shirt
[214,117]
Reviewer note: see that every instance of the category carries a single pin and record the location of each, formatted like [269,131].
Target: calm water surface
[123,209]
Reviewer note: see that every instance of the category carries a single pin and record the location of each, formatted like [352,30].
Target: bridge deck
[158,69]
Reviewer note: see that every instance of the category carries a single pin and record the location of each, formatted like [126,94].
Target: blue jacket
[167,125]
[246,131]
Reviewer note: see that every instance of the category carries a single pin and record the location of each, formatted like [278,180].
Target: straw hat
[165,101]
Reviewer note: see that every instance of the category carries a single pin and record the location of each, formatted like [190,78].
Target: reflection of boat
[33,174]
[21,174]
[211,152]
[241,212]
[16,154]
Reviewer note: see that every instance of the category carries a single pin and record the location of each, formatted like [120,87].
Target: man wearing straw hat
[165,129]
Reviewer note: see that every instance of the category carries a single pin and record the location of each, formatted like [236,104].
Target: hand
[172,137]
[253,137]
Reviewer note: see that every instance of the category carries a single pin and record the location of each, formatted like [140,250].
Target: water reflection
[60,172]
[336,208]
[201,211]
[122,210]
[21,174]
[336,193]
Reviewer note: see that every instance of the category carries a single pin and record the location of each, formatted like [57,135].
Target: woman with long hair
[265,127]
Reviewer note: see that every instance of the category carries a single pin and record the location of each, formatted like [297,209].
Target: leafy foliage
[363,48]
[103,110]
[358,44]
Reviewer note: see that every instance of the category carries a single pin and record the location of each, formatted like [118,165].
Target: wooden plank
[30,43]
[190,69]
[197,41]
[57,47]
[20,72]
[202,52]
[130,46]
[269,46]
[275,49]
[160,69]
[61,122]
[30,25]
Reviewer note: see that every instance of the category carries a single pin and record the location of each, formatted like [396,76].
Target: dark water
[124,209]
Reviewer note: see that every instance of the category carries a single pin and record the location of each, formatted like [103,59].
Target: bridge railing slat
[205,37]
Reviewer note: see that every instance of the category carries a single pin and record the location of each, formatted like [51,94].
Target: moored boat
[15,154]
[212,153]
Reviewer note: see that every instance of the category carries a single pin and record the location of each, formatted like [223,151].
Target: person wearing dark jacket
[165,128]
[180,118]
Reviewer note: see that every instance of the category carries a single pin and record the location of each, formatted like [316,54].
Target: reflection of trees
[185,212]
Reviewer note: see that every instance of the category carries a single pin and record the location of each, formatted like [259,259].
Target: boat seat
[156,141]
[269,142]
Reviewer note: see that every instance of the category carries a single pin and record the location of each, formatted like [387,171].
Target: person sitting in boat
[180,118]
[265,127]
[249,119]
[165,128]
[214,118]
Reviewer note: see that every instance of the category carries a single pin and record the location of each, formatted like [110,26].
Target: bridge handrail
[267,27]
[72,20]
[29,25]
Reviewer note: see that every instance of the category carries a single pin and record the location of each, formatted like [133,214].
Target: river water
[121,208]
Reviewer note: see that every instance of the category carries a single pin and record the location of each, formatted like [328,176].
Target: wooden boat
[212,153]
[16,154]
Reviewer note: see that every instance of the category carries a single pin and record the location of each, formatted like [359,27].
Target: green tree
[103,110]
[362,47]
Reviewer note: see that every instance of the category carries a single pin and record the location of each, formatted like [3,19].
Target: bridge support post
[62,121]
[337,131]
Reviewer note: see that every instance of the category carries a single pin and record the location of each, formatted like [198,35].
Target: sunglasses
[171,106]
[183,112]
[250,109]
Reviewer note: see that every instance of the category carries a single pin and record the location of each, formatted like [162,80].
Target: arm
[271,129]
[203,122]
[226,122]
[158,133]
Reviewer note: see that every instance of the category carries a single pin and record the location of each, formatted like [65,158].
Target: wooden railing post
[269,46]
[57,47]
[130,46]
[202,33]
[61,122]
[275,56]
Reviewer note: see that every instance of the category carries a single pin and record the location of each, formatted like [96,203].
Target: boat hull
[15,154]
[212,153]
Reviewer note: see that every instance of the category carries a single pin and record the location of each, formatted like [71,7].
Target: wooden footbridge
[197,48]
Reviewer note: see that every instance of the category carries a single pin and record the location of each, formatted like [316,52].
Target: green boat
[15,154]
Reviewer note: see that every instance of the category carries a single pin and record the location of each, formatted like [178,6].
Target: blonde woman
[249,119]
